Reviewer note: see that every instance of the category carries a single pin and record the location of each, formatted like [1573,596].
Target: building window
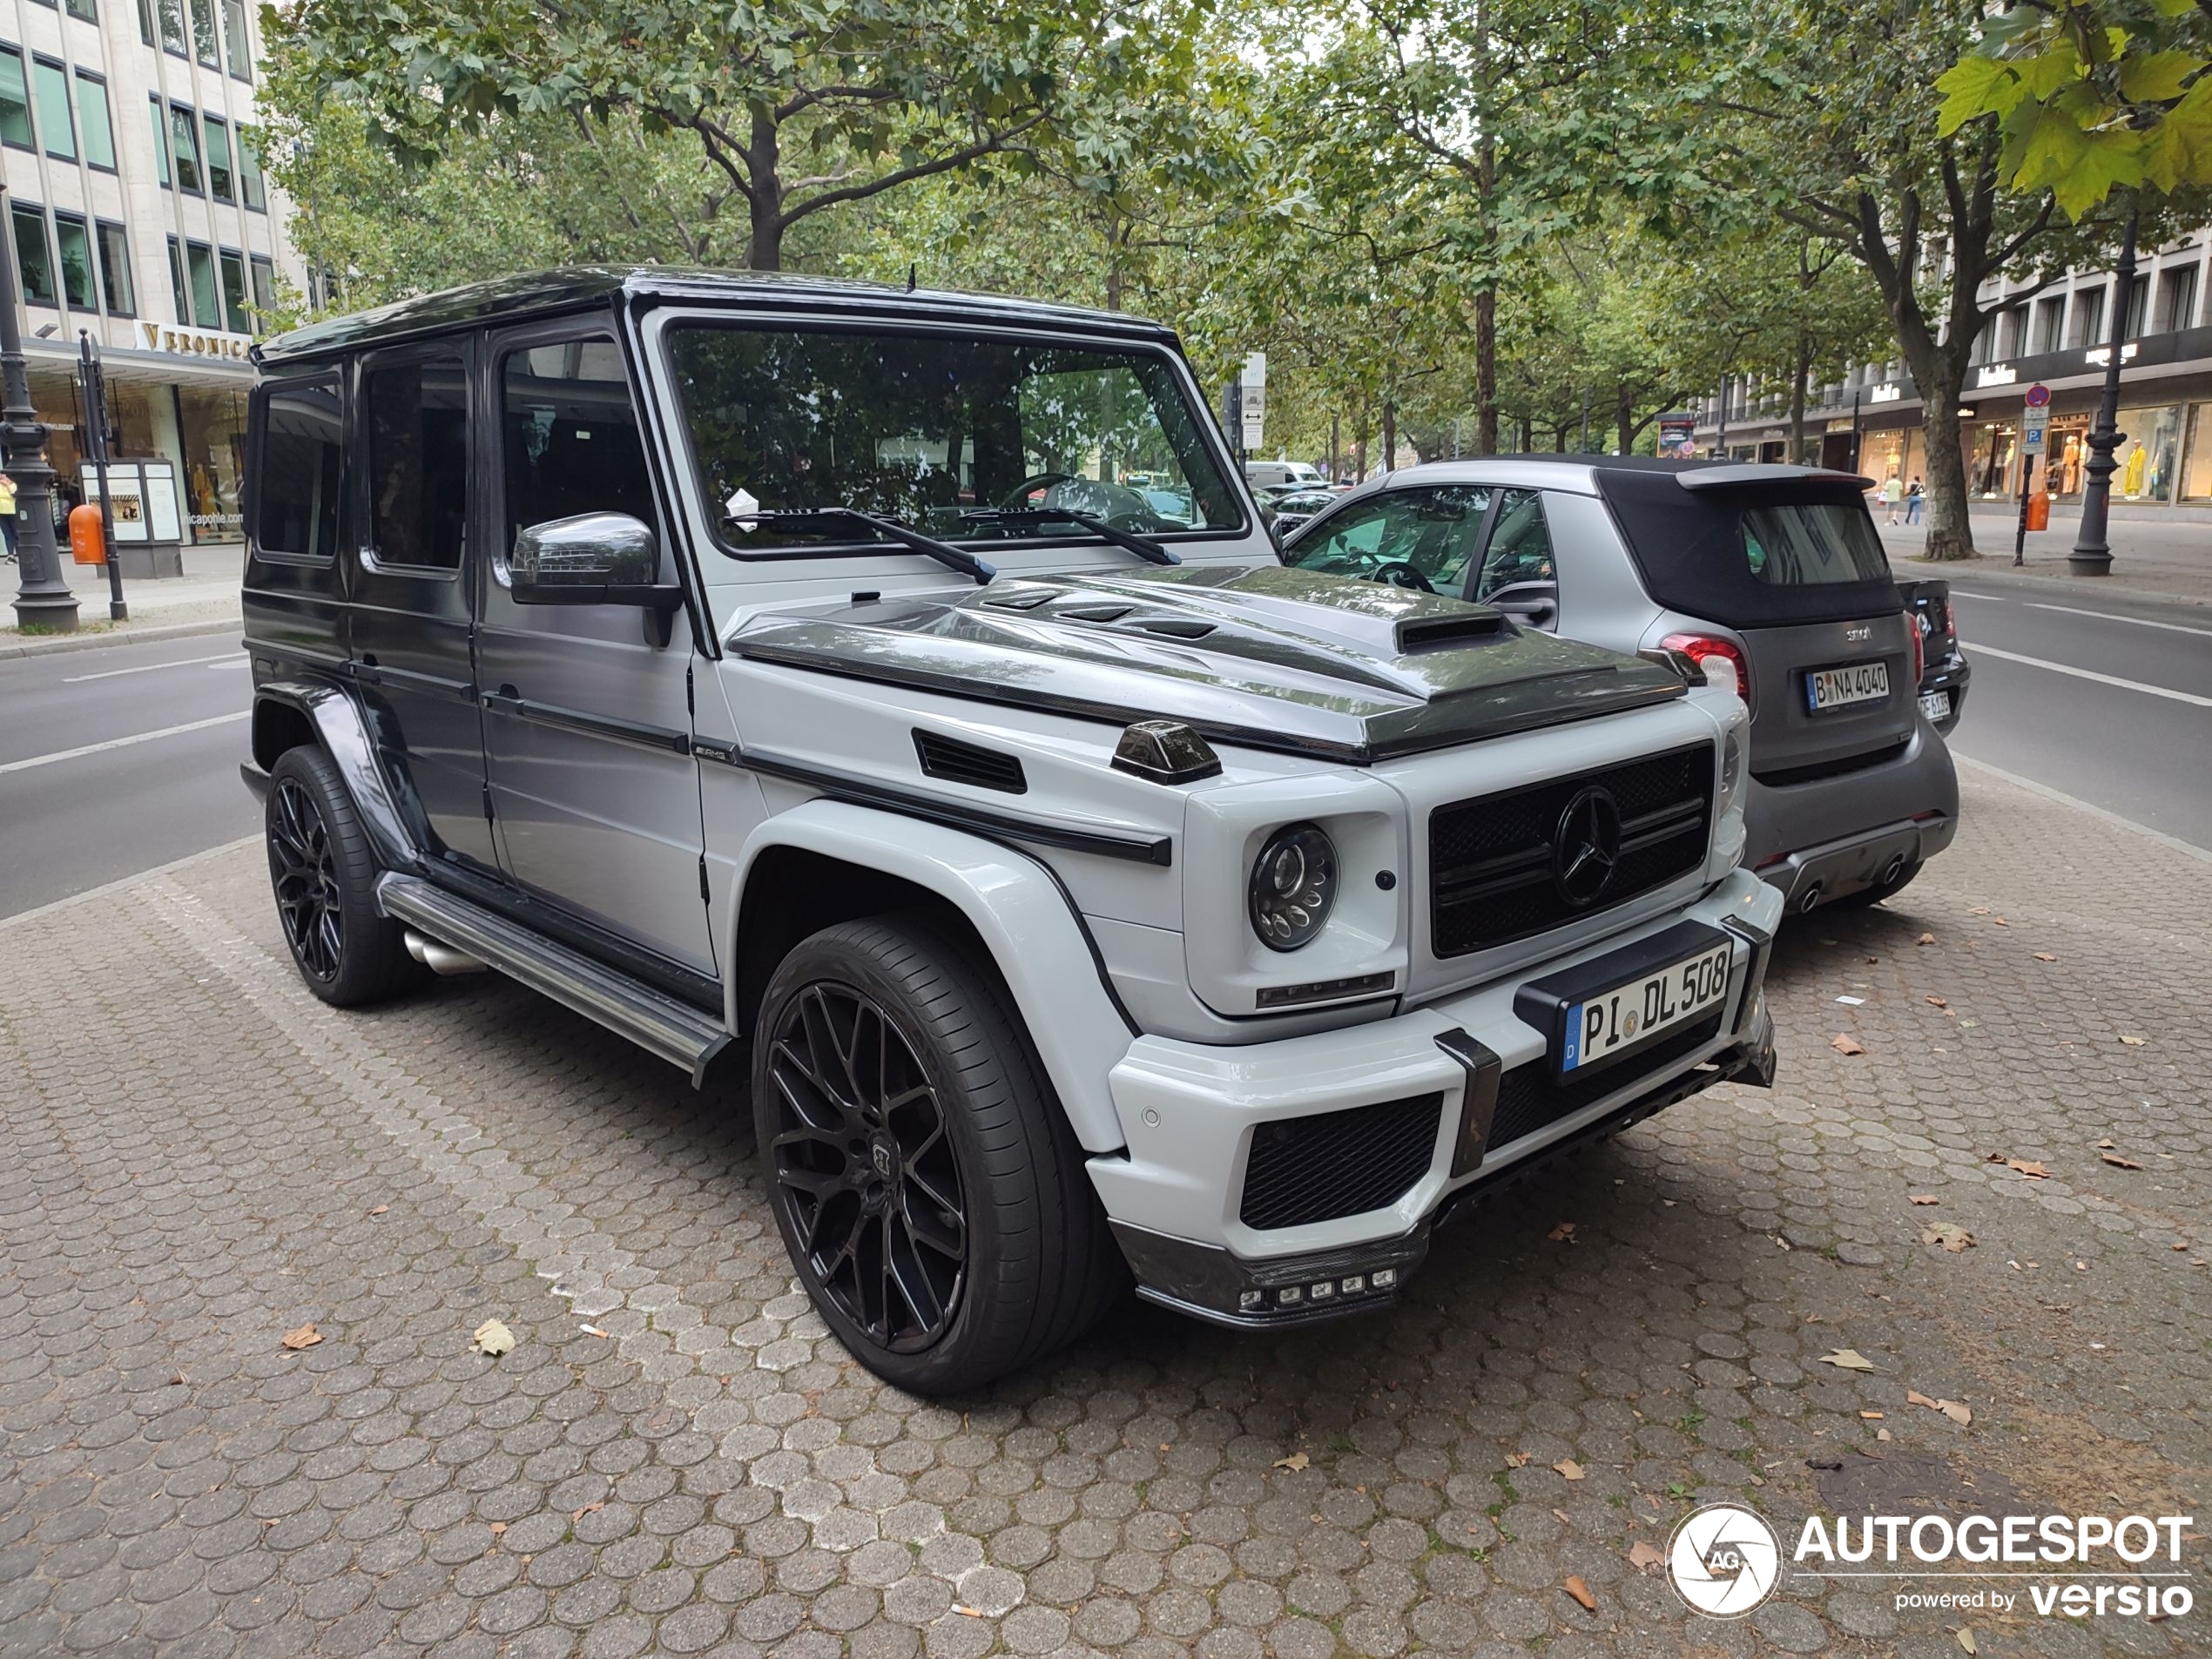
[184,132]
[235,39]
[15,100]
[211,429]
[199,263]
[177,290]
[115,270]
[2088,317]
[54,123]
[203,32]
[219,158]
[160,139]
[145,21]
[250,184]
[92,115]
[75,242]
[172,25]
[83,9]
[2050,318]
[263,271]
[2177,299]
[2138,307]
[234,315]
[34,254]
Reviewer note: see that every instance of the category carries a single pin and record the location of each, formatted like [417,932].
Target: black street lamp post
[43,599]
[2092,554]
[95,451]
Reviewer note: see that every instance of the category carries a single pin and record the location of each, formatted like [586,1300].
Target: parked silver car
[1774,570]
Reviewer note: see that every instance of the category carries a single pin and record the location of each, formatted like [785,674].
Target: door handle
[505,700]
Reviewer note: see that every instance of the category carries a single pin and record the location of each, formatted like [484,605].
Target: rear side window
[571,438]
[1811,542]
[417,419]
[296,508]
[1520,544]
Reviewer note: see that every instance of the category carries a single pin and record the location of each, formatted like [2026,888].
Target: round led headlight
[1294,884]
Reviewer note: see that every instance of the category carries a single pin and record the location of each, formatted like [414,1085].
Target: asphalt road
[2105,699]
[115,760]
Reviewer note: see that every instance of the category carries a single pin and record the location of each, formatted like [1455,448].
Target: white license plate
[1935,704]
[1603,1025]
[1835,688]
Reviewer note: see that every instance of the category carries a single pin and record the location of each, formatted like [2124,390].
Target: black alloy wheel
[304,872]
[861,1159]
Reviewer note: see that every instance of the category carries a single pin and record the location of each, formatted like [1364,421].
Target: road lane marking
[148,668]
[1968,593]
[2082,674]
[2107,615]
[2081,805]
[124,742]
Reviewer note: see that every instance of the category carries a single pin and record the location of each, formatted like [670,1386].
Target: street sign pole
[2034,430]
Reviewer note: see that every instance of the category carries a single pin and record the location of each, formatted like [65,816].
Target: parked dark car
[1776,572]
[1299,505]
[1945,670]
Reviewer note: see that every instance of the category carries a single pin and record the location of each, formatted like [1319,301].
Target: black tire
[1880,890]
[324,878]
[867,1195]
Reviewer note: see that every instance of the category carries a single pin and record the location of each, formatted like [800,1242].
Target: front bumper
[1175,1195]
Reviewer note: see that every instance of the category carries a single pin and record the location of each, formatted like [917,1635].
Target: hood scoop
[1255,655]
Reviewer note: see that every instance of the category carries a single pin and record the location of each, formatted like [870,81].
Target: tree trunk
[1797,397]
[1624,414]
[1390,435]
[1486,299]
[765,195]
[1949,534]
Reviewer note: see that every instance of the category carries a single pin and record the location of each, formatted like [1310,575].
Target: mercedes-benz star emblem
[1586,847]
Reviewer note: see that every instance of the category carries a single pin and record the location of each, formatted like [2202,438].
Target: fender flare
[343,730]
[1026,919]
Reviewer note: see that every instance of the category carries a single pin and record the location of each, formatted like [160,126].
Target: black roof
[595,286]
[1713,474]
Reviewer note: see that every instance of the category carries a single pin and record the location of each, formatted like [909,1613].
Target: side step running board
[679,1033]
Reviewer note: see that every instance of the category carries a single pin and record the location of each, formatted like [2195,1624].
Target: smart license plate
[1836,688]
[1601,1025]
[1935,704]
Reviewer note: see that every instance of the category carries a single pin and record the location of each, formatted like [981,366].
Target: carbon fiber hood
[1255,655]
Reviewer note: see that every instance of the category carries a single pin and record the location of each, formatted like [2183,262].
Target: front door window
[1410,538]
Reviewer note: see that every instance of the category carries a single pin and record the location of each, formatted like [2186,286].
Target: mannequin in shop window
[2131,476]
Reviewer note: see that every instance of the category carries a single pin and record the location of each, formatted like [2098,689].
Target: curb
[119,637]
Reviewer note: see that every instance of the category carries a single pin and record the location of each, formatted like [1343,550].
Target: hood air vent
[1446,633]
[955,762]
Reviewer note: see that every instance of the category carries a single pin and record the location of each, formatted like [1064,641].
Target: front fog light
[1293,885]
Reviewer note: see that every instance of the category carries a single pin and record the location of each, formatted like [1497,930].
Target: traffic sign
[2031,438]
[2039,396]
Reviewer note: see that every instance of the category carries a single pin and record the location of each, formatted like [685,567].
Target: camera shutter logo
[1723,1561]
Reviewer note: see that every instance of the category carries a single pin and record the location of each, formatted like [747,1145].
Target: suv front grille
[1334,1164]
[1529,1101]
[1490,859]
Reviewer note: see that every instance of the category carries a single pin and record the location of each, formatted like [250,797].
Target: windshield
[939,432]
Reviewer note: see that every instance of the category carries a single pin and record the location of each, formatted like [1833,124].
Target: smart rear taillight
[1703,649]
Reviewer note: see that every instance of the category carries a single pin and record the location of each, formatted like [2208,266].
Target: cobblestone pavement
[200,1158]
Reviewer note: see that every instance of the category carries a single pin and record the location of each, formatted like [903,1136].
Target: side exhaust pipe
[440,959]
[1891,871]
[1809,901]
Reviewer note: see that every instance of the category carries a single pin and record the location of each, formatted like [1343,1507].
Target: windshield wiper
[1143,546]
[944,552]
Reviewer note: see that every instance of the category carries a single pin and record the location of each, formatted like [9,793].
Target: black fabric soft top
[1689,546]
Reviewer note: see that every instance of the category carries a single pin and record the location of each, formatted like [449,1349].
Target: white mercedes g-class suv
[780,674]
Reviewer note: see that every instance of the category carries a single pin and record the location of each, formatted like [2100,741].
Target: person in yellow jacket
[8,512]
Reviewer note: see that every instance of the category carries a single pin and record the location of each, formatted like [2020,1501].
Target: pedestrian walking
[1915,498]
[7,514]
[1893,494]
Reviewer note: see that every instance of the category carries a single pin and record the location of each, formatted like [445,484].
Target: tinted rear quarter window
[417,419]
[296,512]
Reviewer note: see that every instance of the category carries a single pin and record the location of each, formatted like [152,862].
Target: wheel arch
[289,713]
[830,861]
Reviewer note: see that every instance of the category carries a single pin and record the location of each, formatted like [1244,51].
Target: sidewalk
[2151,559]
[203,600]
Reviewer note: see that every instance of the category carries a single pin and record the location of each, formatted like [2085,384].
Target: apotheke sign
[191,342]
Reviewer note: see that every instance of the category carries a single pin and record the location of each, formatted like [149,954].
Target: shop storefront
[186,407]
[2196,457]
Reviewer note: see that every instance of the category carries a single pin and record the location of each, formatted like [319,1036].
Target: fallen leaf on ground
[497,1528]
[2045,956]
[1843,1043]
[1978,910]
[1643,1556]
[1570,1467]
[1949,1234]
[1924,1198]
[2133,1042]
[492,1337]
[2000,921]
[1925,939]
[2028,1167]
[1847,1359]
[591,1508]
[2107,1141]
[1966,1635]
[1565,1230]
[1936,1002]
[1958,1413]
[1296,1462]
[305,1337]
[2119,1163]
[1581,1591]
[1518,1459]
[1881,1434]
[380,1209]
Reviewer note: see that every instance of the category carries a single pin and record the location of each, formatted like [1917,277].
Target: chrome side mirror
[591,550]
